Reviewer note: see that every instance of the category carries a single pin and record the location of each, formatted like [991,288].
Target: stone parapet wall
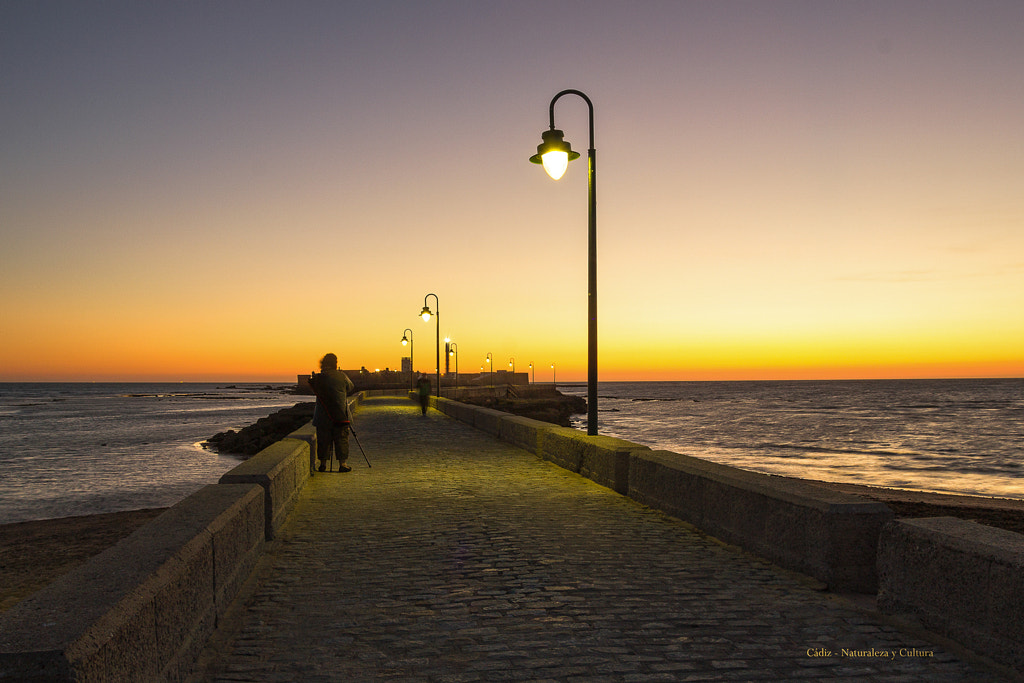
[958,578]
[829,535]
[281,470]
[143,609]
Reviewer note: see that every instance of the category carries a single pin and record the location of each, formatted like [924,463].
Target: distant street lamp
[490,367]
[555,154]
[553,382]
[425,314]
[512,364]
[407,341]
[533,372]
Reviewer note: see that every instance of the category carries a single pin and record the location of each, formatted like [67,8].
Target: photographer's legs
[324,446]
[341,447]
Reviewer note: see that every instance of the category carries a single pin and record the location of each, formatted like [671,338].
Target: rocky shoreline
[250,440]
[553,409]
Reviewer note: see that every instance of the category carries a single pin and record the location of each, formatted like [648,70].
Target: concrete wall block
[961,579]
[488,420]
[238,537]
[791,531]
[307,433]
[849,535]
[605,460]
[1006,617]
[655,483]
[563,446]
[523,432]
[122,650]
[828,535]
[462,412]
[282,470]
[184,608]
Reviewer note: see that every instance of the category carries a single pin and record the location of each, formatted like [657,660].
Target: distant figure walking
[330,416]
[423,385]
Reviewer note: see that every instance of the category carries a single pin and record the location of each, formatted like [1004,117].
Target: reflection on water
[958,436]
[71,449]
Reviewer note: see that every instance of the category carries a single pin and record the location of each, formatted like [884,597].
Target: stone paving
[457,557]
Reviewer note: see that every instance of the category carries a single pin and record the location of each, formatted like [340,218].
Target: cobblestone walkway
[460,558]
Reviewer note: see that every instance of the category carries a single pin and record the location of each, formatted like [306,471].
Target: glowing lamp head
[425,314]
[554,153]
[405,341]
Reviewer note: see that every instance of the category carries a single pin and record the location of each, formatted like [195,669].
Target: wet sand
[32,554]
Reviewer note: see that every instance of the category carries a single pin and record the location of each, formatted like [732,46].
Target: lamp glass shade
[555,163]
[405,342]
[425,314]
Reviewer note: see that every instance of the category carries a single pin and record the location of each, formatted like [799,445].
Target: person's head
[329,362]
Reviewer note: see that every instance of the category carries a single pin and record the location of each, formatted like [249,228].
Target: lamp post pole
[455,352]
[553,150]
[426,313]
[412,365]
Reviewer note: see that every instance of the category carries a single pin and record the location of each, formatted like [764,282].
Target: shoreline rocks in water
[554,409]
[251,440]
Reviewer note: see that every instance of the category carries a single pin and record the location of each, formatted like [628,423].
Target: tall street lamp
[407,341]
[555,154]
[425,314]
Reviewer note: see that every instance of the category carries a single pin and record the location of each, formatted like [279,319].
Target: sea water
[76,449]
[952,436]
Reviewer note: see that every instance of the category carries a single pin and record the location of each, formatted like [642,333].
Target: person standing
[423,387]
[330,416]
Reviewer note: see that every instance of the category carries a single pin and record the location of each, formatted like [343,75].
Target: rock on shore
[254,438]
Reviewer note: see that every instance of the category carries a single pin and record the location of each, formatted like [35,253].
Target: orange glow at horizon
[833,194]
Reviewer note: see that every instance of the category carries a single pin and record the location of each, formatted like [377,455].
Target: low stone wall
[281,470]
[603,459]
[143,609]
[828,535]
[958,578]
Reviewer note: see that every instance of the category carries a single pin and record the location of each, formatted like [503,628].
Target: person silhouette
[423,385]
[330,416]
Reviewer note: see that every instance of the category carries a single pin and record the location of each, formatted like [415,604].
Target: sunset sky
[227,190]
